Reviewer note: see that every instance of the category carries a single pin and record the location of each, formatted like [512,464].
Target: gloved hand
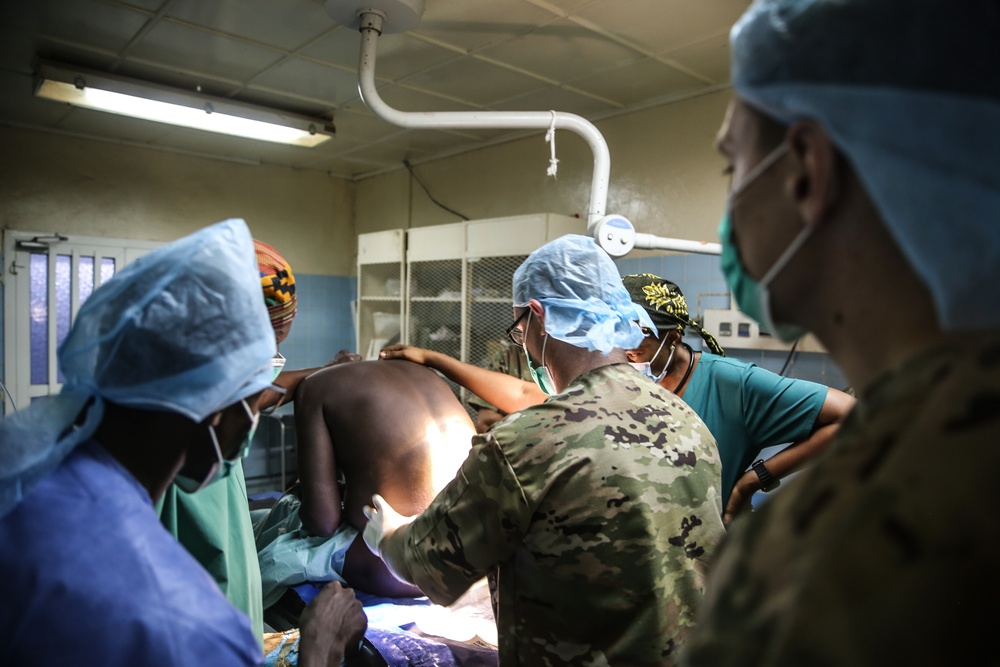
[382,520]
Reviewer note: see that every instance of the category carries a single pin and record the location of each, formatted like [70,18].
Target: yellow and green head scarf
[665,304]
[278,283]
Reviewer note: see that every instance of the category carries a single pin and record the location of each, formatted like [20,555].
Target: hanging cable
[6,391]
[409,168]
[788,361]
[550,138]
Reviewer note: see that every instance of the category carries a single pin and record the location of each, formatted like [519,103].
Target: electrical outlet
[734,329]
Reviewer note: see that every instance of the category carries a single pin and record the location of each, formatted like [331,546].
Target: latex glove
[382,521]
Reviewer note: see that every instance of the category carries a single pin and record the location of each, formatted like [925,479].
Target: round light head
[615,234]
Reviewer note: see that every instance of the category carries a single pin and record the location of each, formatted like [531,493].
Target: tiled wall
[704,286]
[323,324]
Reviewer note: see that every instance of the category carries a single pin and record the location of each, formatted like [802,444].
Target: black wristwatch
[769,481]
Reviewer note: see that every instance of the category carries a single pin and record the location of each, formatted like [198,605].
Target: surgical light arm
[614,233]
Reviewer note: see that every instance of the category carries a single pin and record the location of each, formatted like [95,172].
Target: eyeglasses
[517,335]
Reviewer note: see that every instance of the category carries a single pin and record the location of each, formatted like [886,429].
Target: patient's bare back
[390,427]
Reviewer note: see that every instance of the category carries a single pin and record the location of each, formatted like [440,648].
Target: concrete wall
[74,186]
[665,177]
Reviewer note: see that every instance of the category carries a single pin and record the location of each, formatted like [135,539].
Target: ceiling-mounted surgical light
[105,92]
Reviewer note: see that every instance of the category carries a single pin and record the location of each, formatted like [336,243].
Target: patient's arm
[508,393]
[321,509]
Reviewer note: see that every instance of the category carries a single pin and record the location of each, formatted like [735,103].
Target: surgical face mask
[222,467]
[646,367]
[277,364]
[753,297]
[539,374]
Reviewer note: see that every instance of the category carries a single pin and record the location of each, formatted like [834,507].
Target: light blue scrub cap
[585,303]
[182,329]
[910,93]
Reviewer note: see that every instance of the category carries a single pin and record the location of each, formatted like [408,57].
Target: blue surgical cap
[585,303]
[182,329]
[910,93]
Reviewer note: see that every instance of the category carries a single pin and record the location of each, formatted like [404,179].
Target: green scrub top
[214,526]
[748,408]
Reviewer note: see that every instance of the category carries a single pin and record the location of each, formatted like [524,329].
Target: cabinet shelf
[437,299]
[390,299]
[493,299]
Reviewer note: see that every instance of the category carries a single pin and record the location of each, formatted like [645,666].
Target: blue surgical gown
[90,577]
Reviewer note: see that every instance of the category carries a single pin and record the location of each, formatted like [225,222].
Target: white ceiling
[595,58]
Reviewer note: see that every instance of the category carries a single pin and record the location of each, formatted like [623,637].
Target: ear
[813,182]
[537,313]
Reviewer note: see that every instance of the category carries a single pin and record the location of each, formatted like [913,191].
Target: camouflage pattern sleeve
[599,510]
[475,523]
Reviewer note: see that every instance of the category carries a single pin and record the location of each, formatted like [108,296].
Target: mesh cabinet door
[490,301]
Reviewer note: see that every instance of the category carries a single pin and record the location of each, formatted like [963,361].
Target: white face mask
[752,296]
[646,367]
[222,468]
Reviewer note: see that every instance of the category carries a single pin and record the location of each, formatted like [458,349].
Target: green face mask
[222,468]
[540,374]
[752,297]
[277,364]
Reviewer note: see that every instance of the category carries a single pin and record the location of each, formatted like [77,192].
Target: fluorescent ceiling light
[103,92]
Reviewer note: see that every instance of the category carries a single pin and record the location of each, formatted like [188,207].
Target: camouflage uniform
[600,508]
[885,551]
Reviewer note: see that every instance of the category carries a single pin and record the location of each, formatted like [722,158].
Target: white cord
[550,138]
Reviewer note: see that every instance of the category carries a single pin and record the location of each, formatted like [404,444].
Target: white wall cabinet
[381,278]
[455,294]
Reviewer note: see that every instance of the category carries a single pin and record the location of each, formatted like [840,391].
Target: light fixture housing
[107,92]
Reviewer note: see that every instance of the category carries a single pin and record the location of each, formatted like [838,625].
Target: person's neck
[567,362]
[873,313]
[681,367]
[884,348]
[148,444]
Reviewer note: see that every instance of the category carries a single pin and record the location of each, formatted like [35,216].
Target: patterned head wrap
[278,284]
[665,304]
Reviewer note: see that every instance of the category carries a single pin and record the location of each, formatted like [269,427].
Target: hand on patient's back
[382,520]
[332,625]
[415,354]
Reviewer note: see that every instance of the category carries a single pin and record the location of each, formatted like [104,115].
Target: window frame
[16,300]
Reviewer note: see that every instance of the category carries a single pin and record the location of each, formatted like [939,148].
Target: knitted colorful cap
[278,283]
